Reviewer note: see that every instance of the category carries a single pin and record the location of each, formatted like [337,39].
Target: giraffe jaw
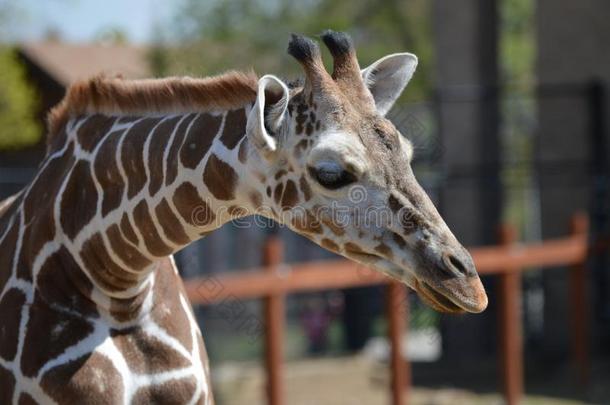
[448,296]
[453,296]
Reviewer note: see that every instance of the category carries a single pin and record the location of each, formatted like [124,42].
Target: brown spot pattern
[279,174]
[305,189]
[61,282]
[156,151]
[400,241]
[56,142]
[235,128]
[9,326]
[69,383]
[237,211]
[127,229]
[172,228]
[384,250]
[335,228]
[172,156]
[26,399]
[309,128]
[46,186]
[39,211]
[124,250]
[9,244]
[93,129]
[277,193]
[126,309]
[144,222]
[55,329]
[174,391]
[307,224]
[352,247]
[300,148]
[394,204]
[290,197]
[256,199]
[102,268]
[145,354]
[79,200]
[191,207]
[108,174]
[35,235]
[220,178]
[199,139]
[330,245]
[7,385]
[132,155]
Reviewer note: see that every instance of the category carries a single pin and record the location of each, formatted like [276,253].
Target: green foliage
[517,68]
[517,43]
[18,126]
[221,34]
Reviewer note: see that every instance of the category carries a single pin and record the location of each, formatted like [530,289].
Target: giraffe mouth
[363,257]
[436,300]
[454,296]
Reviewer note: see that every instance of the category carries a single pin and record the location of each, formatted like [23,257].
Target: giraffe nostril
[457,265]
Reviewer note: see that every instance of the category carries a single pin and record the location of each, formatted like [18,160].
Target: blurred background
[508,114]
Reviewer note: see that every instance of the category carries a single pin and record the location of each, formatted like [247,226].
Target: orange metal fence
[506,261]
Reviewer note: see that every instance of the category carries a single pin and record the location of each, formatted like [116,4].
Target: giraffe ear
[388,77]
[268,114]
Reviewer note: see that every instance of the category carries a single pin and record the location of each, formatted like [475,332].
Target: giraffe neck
[118,194]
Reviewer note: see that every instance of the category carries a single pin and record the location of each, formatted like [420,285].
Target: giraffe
[92,307]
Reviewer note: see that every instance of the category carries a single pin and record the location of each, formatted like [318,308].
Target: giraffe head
[339,173]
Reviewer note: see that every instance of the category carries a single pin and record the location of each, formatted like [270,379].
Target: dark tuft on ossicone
[302,48]
[338,43]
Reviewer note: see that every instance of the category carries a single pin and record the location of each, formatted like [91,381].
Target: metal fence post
[510,333]
[274,326]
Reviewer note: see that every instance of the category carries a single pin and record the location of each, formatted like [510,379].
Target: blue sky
[83,20]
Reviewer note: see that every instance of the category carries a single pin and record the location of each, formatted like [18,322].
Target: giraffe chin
[454,296]
[436,300]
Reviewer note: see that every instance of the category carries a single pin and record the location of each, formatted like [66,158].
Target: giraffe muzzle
[447,281]
[452,284]
[454,296]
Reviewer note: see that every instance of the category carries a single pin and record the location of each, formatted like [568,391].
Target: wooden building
[50,68]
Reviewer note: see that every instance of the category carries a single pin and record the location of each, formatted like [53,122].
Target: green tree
[215,35]
[18,126]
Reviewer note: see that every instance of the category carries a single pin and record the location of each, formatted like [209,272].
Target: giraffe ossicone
[91,303]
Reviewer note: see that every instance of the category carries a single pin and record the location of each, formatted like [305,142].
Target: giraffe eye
[331,176]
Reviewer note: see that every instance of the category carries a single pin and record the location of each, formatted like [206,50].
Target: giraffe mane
[116,96]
